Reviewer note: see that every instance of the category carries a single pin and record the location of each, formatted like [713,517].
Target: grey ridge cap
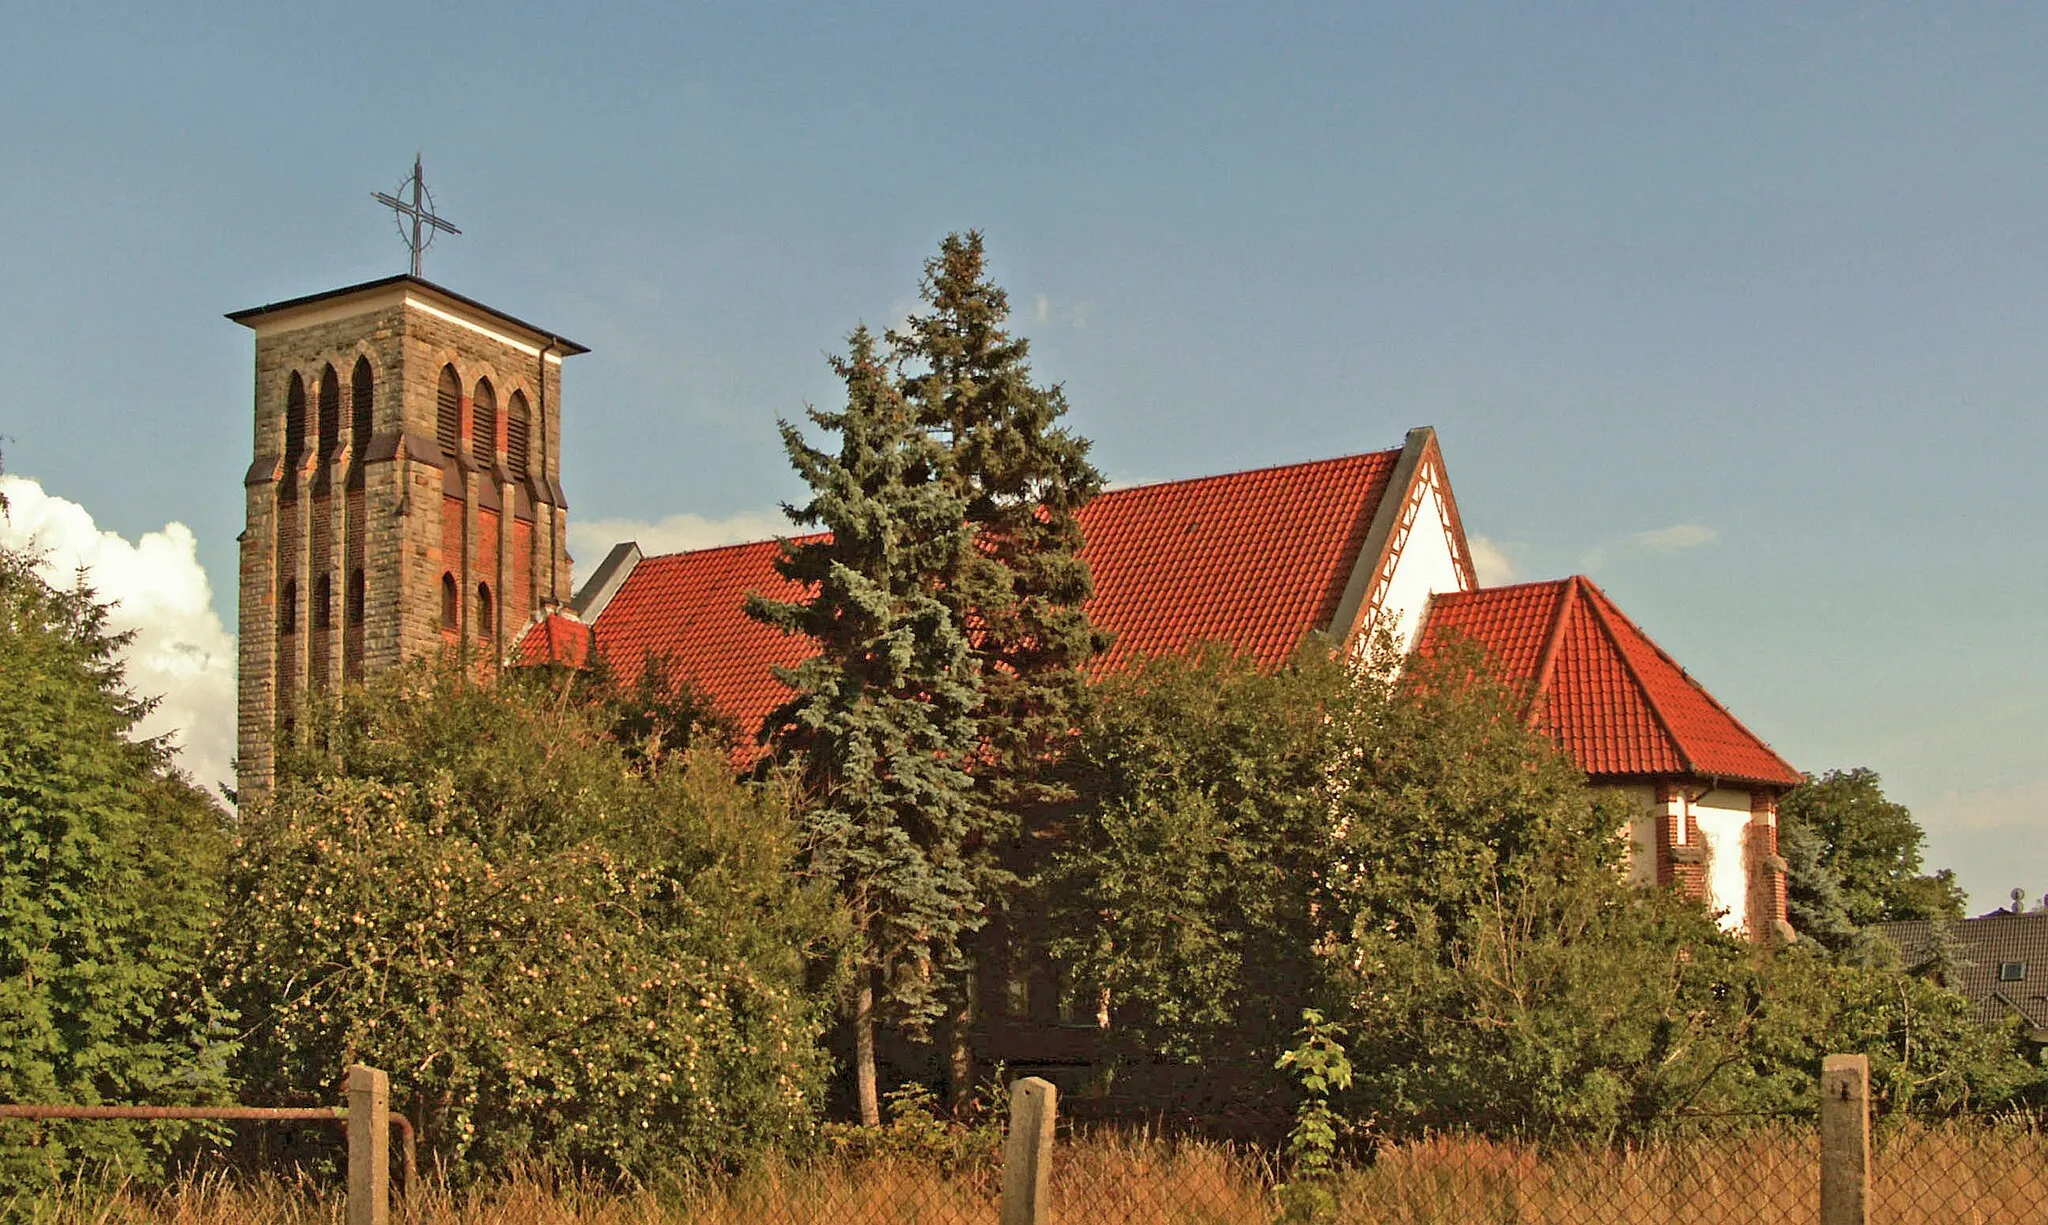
[611,575]
[255,314]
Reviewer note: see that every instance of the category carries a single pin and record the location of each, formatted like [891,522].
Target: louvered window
[362,392]
[448,412]
[330,414]
[518,435]
[294,421]
[483,410]
[451,603]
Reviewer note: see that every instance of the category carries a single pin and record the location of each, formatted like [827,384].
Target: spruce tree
[881,723]
[1022,477]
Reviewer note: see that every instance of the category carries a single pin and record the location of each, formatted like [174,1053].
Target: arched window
[451,604]
[323,593]
[288,608]
[518,436]
[483,430]
[484,619]
[448,412]
[294,422]
[330,414]
[362,394]
[355,597]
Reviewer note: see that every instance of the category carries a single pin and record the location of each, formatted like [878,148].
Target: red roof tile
[1611,698]
[554,639]
[1257,559]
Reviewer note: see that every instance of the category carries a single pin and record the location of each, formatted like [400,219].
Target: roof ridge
[1221,476]
[1111,493]
[737,544]
[1599,608]
[1560,610]
[1690,680]
[1500,588]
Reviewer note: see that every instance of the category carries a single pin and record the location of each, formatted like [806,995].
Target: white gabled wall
[1426,564]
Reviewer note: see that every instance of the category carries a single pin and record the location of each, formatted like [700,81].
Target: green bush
[109,859]
[560,951]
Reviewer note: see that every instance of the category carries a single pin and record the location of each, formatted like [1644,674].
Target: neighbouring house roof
[1611,697]
[554,639]
[1986,944]
[1257,559]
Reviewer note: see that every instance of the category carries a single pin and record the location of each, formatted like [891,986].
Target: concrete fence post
[369,1146]
[1845,1140]
[1027,1152]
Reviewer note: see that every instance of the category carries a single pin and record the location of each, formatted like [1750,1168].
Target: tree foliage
[108,861]
[1403,856]
[1854,859]
[881,722]
[558,952]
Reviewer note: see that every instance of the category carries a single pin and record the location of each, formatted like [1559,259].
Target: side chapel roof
[1597,684]
[554,639]
[1258,559]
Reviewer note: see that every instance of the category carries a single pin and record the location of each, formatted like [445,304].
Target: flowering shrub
[557,953]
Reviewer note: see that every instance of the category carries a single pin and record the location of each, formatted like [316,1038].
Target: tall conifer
[882,719]
[1022,477]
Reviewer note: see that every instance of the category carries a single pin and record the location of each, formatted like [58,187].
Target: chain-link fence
[1824,1169]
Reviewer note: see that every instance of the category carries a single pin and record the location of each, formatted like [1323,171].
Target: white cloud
[1677,538]
[1490,562]
[181,652]
[590,540]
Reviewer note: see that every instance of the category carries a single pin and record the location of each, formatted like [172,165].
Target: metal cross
[420,210]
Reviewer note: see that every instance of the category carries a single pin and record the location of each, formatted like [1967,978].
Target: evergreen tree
[882,721]
[1022,478]
[109,861]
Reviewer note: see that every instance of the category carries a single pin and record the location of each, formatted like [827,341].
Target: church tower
[405,496]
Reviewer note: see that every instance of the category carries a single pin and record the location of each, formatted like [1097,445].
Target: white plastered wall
[1723,820]
[1425,565]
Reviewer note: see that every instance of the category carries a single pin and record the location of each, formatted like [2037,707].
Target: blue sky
[1741,309]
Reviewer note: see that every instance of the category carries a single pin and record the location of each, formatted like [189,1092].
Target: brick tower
[406,492]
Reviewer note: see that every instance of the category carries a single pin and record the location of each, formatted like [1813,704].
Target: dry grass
[1947,1174]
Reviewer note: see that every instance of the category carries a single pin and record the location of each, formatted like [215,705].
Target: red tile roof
[1257,559]
[554,639]
[1611,698]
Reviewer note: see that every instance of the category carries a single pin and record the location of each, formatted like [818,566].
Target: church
[405,498]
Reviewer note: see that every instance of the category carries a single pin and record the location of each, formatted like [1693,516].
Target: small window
[451,604]
[355,597]
[483,611]
[288,609]
[2012,971]
[323,590]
